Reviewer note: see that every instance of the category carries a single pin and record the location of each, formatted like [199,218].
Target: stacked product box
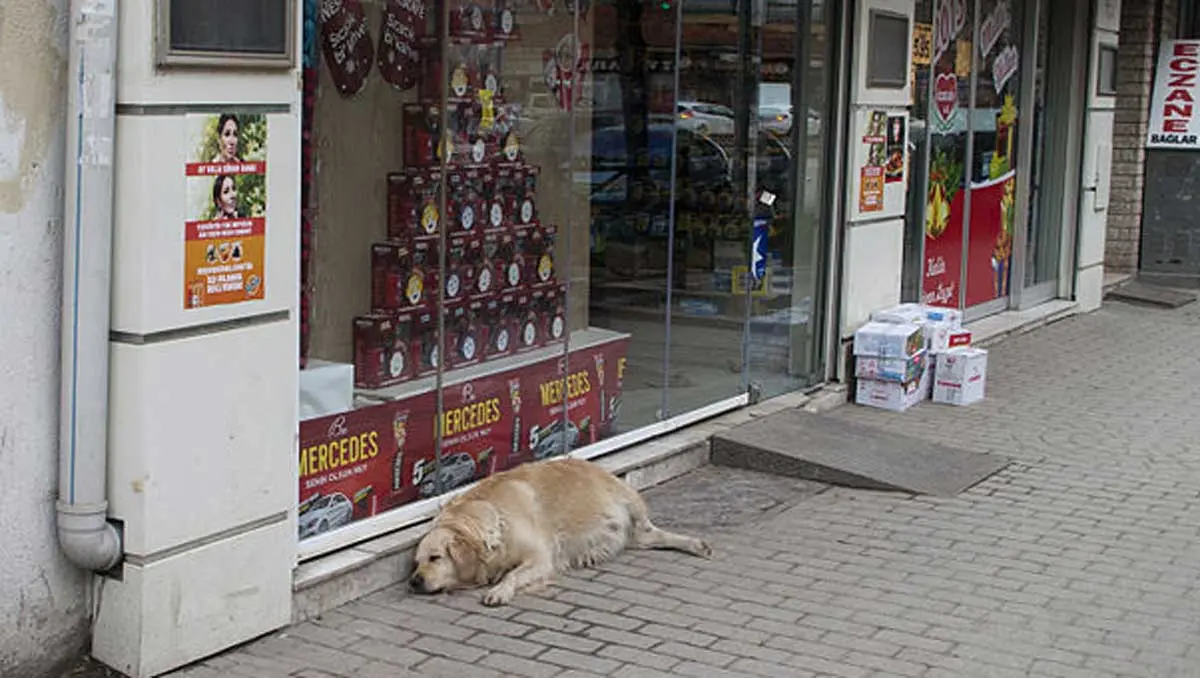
[961,376]
[890,365]
[463,224]
[942,326]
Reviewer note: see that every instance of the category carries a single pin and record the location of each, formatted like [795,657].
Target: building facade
[367,253]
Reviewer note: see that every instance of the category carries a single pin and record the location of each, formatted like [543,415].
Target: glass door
[1043,236]
[691,152]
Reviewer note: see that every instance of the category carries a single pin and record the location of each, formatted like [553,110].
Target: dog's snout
[416,583]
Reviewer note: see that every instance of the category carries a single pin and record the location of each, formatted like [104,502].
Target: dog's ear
[468,558]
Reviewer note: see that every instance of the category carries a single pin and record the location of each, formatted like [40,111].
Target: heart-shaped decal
[945,96]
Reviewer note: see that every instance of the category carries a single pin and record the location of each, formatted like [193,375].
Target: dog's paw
[702,549]
[495,597]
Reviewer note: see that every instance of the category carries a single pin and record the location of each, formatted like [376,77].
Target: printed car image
[553,439]
[456,470]
[324,513]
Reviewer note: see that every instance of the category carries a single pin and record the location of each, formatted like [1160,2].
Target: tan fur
[517,529]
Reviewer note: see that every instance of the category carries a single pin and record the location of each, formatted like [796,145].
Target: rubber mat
[1144,293]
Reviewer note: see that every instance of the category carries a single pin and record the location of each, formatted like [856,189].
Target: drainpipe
[84,533]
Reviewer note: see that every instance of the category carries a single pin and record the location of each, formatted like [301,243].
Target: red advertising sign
[989,251]
[366,461]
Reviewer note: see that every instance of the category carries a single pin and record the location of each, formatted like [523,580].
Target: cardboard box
[900,369]
[918,314]
[382,350]
[892,395]
[889,340]
[326,388]
[402,276]
[961,376]
[943,336]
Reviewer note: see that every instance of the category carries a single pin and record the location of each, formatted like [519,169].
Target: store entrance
[698,250]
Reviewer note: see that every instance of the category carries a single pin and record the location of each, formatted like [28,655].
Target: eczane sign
[1173,108]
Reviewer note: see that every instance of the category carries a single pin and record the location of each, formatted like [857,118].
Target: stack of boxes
[499,278]
[956,371]
[890,364]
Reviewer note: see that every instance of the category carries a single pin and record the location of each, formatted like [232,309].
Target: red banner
[366,461]
[990,240]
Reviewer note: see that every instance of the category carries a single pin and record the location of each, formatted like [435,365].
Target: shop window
[887,53]
[1106,71]
[226,32]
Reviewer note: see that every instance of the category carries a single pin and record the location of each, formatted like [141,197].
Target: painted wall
[43,613]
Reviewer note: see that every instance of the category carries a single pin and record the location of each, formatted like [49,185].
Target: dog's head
[451,556]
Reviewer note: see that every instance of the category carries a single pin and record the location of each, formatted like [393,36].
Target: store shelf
[579,340]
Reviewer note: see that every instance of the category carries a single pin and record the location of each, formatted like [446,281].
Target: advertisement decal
[226,223]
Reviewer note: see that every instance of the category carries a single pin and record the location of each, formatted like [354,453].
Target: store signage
[922,45]
[945,96]
[1173,114]
[347,46]
[225,228]
[993,27]
[1005,66]
[364,462]
[951,19]
[397,54]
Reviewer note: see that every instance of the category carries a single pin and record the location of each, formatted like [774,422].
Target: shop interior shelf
[579,339]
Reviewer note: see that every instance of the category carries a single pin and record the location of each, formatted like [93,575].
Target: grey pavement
[1081,559]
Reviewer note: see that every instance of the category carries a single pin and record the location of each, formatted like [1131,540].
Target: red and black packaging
[500,326]
[525,195]
[468,19]
[464,201]
[508,139]
[530,327]
[423,144]
[425,343]
[401,276]
[506,190]
[460,74]
[483,280]
[504,21]
[540,250]
[464,335]
[413,205]
[459,274]
[382,350]
[551,310]
[495,204]
[510,263]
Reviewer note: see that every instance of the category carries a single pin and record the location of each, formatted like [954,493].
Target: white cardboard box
[889,340]
[892,395]
[917,314]
[326,388]
[899,369]
[961,376]
[941,336]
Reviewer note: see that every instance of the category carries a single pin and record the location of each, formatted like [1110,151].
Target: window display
[969,208]
[509,203]
[467,359]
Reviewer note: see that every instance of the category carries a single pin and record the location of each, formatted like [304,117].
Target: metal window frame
[166,56]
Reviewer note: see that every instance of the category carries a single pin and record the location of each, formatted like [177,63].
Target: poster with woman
[226,215]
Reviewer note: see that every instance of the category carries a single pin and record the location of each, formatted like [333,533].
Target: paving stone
[1080,559]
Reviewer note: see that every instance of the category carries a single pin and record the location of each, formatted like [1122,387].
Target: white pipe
[84,533]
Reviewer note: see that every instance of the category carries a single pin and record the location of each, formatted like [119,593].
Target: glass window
[887,50]
[993,173]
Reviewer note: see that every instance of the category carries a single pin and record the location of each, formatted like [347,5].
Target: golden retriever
[515,530]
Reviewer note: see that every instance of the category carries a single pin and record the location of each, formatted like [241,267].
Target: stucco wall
[42,597]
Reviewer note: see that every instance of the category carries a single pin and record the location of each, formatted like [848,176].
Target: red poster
[366,461]
[943,244]
[990,240]
[359,463]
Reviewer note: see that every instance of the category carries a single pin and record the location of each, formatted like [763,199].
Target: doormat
[1138,292]
[817,447]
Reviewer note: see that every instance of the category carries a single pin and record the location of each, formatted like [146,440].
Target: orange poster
[870,192]
[226,225]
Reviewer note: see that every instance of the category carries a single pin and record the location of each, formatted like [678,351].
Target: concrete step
[821,448]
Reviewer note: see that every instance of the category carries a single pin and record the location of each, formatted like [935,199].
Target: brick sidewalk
[1080,560]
